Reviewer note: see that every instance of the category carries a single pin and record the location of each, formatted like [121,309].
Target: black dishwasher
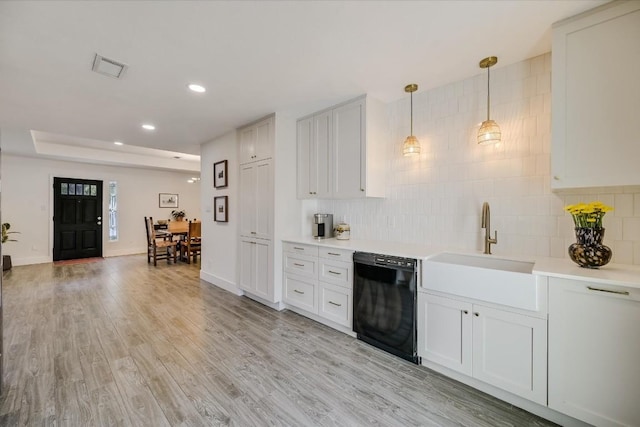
[384,303]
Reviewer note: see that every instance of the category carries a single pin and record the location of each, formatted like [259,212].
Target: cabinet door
[306,162]
[247,144]
[444,332]
[263,277]
[263,211]
[247,262]
[247,205]
[265,133]
[348,145]
[594,352]
[321,172]
[510,352]
[596,97]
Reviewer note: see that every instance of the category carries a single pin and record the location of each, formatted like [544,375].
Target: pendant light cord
[411,113]
[488,91]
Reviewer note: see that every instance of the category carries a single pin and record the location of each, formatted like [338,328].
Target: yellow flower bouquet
[588,215]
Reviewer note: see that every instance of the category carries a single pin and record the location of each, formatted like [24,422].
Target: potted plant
[178,215]
[6,259]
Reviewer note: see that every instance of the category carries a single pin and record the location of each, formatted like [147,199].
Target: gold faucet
[486,224]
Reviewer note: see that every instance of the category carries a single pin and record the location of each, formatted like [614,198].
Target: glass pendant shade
[411,146]
[489,132]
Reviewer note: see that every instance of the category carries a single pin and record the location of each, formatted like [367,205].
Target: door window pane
[64,188]
[113,211]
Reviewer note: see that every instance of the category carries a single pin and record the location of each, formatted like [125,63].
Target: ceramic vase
[588,251]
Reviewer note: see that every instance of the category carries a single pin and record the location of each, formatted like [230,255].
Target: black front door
[77,218]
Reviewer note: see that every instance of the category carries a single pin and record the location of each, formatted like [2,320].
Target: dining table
[175,231]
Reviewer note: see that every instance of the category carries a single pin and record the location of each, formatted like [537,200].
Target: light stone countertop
[610,274]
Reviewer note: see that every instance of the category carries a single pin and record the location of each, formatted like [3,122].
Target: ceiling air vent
[108,67]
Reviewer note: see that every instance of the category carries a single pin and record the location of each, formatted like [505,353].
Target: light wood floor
[118,342]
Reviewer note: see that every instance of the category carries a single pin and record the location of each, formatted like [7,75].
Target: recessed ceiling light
[190,181]
[118,143]
[148,126]
[196,88]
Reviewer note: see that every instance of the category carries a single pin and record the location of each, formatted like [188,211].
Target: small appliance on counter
[322,226]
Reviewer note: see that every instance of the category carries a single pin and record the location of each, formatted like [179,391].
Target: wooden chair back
[178,226]
[168,248]
[195,230]
[190,247]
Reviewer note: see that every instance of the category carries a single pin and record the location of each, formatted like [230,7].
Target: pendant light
[411,145]
[489,132]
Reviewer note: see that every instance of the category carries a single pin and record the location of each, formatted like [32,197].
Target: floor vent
[108,67]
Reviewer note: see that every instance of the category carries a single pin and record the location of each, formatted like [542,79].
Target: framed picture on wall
[168,200]
[221,206]
[220,174]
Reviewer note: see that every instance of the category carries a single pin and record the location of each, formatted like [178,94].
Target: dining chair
[190,246]
[158,247]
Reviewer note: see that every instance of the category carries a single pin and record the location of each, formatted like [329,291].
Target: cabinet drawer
[301,265]
[336,272]
[300,292]
[335,304]
[299,248]
[336,254]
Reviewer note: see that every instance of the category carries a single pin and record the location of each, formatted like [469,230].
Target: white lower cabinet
[301,292]
[336,304]
[319,281]
[444,332]
[502,348]
[594,352]
[255,267]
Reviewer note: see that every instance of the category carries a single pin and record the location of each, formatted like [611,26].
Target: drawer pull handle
[298,292]
[298,249]
[298,265]
[333,253]
[253,232]
[335,303]
[335,272]
[254,243]
[465,311]
[476,314]
[611,291]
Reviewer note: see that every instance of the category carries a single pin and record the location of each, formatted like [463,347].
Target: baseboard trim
[220,283]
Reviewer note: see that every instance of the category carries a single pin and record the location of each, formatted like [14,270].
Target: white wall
[220,239]
[27,203]
[436,198]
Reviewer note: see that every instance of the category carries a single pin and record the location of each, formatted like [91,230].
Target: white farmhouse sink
[485,262]
[483,277]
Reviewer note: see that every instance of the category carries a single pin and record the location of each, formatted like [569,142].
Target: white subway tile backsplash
[622,251]
[623,205]
[436,198]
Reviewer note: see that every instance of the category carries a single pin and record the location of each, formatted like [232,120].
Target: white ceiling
[254,57]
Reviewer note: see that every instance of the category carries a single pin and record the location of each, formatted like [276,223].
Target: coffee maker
[322,226]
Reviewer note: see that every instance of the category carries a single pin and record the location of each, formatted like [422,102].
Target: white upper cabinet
[596,98]
[314,156]
[341,151]
[256,141]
